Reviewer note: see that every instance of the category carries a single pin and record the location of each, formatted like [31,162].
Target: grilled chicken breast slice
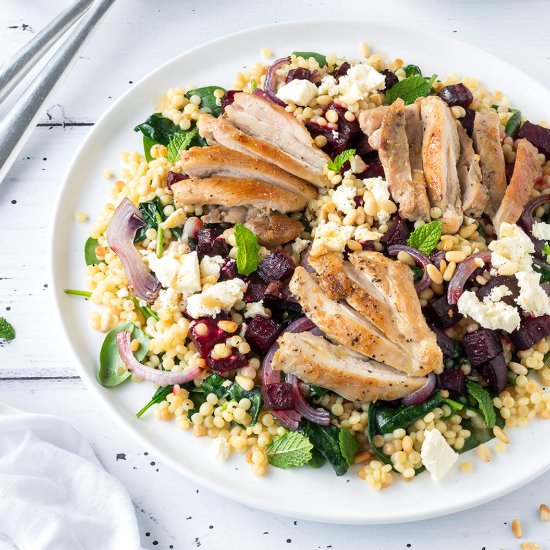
[395,158]
[271,124]
[236,192]
[440,152]
[474,192]
[205,162]
[371,119]
[316,361]
[527,168]
[486,135]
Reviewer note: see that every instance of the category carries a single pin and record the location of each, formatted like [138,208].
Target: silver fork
[21,119]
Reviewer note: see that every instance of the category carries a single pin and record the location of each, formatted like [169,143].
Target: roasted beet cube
[467,121]
[211,243]
[303,74]
[391,79]
[205,334]
[278,265]
[279,299]
[446,344]
[342,70]
[361,144]
[495,373]
[531,331]
[452,380]
[235,361]
[278,396]
[228,271]
[374,167]
[261,333]
[442,314]
[537,135]
[255,291]
[228,98]
[397,233]
[456,94]
[501,280]
[481,346]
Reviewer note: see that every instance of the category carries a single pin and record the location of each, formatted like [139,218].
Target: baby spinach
[480,433]
[317,459]
[544,271]
[158,397]
[153,214]
[372,430]
[513,124]
[158,129]
[412,70]
[209,102]
[315,391]
[89,251]
[319,57]
[112,370]
[217,385]
[326,440]
[147,144]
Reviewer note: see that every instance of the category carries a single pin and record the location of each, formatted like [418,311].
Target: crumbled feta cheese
[178,271]
[343,198]
[328,86]
[437,455]
[220,449]
[357,165]
[210,266]
[490,313]
[330,237]
[218,297]
[360,80]
[532,297]
[168,299]
[256,308]
[541,231]
[513,245]
[300,92]
[364,233]
[299,245]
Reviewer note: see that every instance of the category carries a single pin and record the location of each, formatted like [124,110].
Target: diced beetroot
[391,79]
[374,168]
[437,256]
[368,245]
[255,291]
[531,331]
[211,243]
[228,271]
[446,344]
[537,135]
[481,346]
[303,74]
[456,94]
[205,334]
[278,298]
[361,145]
[278,265]
[495,373]
[467,121]
[228,98]
[441,313]
[235,361]
[452,380]
[397,233]
[174,177]
[501,280]
[261,333]
[279,396]
[342,70]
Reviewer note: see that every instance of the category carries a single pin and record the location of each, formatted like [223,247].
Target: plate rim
[132,430]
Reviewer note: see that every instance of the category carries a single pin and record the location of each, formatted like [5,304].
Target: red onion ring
[120,234]
[421,394]
[462,274]
[270,82]
[420,258]
[163,378]
[317,416]
[527,220]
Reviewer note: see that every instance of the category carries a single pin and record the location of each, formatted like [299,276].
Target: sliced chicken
[527,168]
[371,119]
[236,192]
[316,361]
[205,162]
[440,152]
[271,124]
[486,137]
[395,158]
[474,192]
[361,317]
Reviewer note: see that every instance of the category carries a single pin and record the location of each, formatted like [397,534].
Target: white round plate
[302,493]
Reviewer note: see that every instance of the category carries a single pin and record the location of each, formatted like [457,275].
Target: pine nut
[483,453]
[516,528]
[468,230]
[434,274]
[501,434]
[406,258]
[544,512]
[530,546]
[228,326]
[449,272]
[455,256]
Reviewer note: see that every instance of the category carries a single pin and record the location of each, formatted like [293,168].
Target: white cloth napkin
[54,493]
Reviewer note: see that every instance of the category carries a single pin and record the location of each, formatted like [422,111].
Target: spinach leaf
[181,142]
[418,272]
[513,124]
[7,332]
[326,440]
[209,102]
[217,385]
[89,252]
[480,432]
[412,70]
[410,89]
[147,144]
[255,397]
[319,57]
[317,459]
[544,271]
[153,213]
[372,430]
[158,397]
[198,396]
[348,445]
[316,391]
[158,129]
[112,370]
[485,402]
[291,450]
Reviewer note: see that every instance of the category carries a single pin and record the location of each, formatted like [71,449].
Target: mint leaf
[546,250]
[180,142]
[319,57]
[485,402]
[336,164]
[410,89]
[248,256]
[412,70]
[513,124]
[348,445]
[89,252]
[292,450]
[426,237]
[7,332]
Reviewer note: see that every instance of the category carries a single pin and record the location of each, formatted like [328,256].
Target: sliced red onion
[163,378]
[120,234]
[270,82]
[305,260]
[463,273]
[191,229]
[314,415]
[527,220]
[421,259]
[420,395]
[289,419]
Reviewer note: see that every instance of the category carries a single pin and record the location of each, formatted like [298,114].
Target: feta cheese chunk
[210,266]
[437,455]
[218,297]
[541,231]
[300,92]
[220,449]
[532,297]
[357,165]
[343,198]
[179,272]
[256,308]
[330,237]
[360,80]
[513,245]
[364,233]
[490,313]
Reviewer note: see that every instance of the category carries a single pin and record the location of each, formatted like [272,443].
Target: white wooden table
[35,371]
